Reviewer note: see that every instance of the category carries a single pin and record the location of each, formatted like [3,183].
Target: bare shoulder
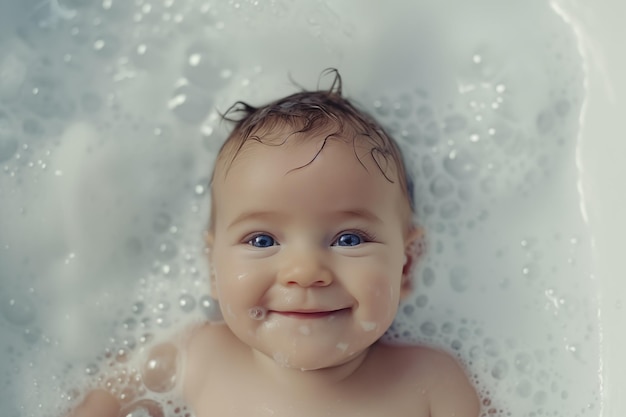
[450,391]
[204,342]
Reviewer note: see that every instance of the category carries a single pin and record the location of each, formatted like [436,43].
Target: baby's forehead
[283,137]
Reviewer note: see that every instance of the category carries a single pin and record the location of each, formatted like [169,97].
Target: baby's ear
[413,247]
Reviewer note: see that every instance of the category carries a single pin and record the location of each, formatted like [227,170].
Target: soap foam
[109,126]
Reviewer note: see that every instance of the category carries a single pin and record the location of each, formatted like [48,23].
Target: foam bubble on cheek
[242,276]
[305,330]
[281,359]
[257,313]
[342,346]
[369,326]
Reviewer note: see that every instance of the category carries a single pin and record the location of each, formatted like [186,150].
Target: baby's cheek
[383,300]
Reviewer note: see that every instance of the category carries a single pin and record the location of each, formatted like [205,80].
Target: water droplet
[200,188]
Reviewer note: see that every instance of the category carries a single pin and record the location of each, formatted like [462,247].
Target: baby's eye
[349,239]
[262,241]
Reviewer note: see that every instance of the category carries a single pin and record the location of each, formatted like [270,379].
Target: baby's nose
[306,270]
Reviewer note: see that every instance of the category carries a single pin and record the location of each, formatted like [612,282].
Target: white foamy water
[109,126]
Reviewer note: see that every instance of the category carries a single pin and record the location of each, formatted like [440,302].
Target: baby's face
[308,263]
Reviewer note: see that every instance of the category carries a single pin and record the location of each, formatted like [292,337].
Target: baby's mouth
[311,314]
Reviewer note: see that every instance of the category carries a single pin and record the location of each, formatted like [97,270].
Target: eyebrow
[268,215]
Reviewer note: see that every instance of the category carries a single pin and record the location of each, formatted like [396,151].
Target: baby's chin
[308,360]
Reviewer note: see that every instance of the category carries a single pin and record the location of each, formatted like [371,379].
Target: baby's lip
[309,314]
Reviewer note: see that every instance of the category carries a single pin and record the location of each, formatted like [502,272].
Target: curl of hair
[314,112]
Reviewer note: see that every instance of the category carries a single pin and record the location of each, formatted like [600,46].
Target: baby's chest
[254,399]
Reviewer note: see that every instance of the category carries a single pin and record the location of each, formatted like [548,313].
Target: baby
[312,247]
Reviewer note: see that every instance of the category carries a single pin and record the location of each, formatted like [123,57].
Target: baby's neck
[309,379]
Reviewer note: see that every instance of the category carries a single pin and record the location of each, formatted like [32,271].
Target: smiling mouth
[310,314]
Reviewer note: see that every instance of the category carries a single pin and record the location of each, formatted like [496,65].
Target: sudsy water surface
[109,125]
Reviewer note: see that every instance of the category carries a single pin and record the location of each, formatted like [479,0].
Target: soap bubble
[428,328]
[160,369]
[523,362]
[143,408]
[17,310]
[257,313]
[211,308]
[441,187]
[186,303]
[428,277]
[166,250]
[460,165]
[421,300]
[500,369]
[138,307]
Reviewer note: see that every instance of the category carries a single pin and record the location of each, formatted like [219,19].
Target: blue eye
[349,239]
[262,241]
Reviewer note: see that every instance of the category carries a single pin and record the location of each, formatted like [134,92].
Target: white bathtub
[602,150]
[46,212]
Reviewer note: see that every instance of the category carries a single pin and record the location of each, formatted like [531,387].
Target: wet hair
[319,113]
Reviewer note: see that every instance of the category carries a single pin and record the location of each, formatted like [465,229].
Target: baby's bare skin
[310,260]
[383,381]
